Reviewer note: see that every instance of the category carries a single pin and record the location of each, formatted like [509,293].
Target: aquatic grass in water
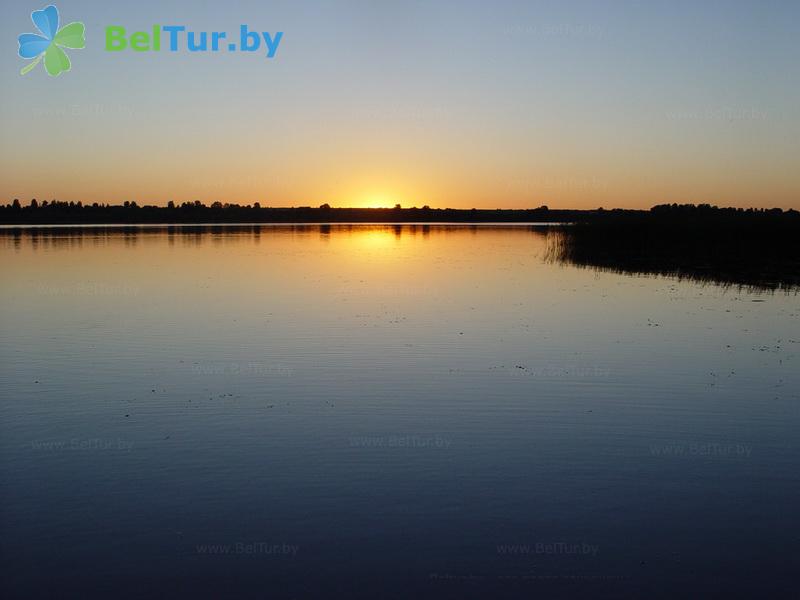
[759,250]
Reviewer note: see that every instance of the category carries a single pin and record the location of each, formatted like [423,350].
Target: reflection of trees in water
[757,249]
[60,235]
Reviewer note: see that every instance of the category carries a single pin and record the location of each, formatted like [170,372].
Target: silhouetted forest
[755,248]
[686,216]
[56,212]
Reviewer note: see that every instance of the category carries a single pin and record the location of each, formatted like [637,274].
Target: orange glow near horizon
[444,184]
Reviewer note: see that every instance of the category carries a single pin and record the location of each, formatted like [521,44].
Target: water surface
[386,411]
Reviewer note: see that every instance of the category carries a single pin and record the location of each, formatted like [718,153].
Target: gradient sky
[463,104]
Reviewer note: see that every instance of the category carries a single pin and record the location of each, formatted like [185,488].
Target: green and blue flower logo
[50,44]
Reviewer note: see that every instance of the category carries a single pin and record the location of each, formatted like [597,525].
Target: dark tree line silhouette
[60,212]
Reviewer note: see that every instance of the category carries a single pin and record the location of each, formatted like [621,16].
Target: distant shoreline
[191,214]
[75,213]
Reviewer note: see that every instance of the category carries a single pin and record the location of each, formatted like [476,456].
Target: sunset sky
[448,103]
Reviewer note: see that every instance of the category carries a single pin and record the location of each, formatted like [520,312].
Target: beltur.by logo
[51,43]
[178,37]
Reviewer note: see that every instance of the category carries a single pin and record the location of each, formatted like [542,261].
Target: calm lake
[386,411]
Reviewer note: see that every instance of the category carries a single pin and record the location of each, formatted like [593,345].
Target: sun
[377,200]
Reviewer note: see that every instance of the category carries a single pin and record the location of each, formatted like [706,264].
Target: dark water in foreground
[387,412]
